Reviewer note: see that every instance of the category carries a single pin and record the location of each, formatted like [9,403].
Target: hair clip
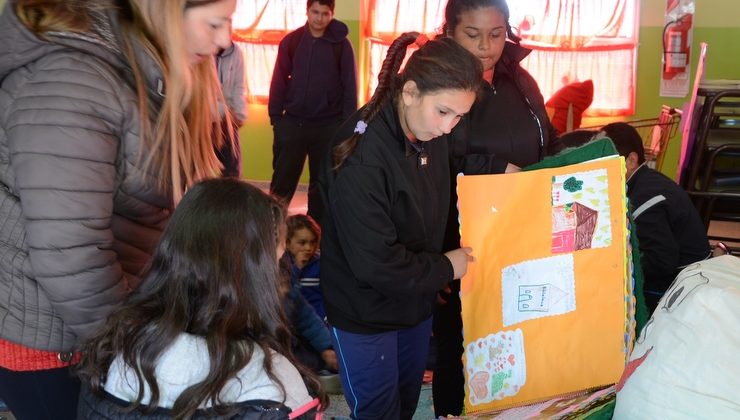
[360,127]
[421,40]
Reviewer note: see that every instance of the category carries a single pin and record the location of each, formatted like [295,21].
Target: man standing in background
[313,89]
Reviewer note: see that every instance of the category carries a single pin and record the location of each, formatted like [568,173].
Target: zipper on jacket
[539,127]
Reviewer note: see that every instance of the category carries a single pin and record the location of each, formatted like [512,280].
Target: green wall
[716,24]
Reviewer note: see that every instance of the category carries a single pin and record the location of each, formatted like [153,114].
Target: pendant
[423,159]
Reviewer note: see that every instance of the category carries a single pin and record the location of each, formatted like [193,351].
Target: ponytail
[386,87]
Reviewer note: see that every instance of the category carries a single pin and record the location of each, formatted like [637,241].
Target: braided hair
[437,65]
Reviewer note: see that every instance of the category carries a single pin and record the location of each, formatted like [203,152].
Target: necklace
[422,157]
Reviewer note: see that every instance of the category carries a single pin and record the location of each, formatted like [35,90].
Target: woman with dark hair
[508,121]
[386,192]
[205,332]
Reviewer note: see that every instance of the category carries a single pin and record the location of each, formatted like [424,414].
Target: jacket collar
[410,148]
[642,169]
[512,55]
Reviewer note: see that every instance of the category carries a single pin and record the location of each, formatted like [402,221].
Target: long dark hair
[214,274]
[455,8]
[437,65]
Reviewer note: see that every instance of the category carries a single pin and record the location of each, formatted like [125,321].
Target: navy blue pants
[39,395]
[381,373]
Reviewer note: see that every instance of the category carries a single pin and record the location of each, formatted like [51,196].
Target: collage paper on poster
[544,303]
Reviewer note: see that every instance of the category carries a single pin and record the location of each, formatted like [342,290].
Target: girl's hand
[330,358]
[510,168]
[459,259]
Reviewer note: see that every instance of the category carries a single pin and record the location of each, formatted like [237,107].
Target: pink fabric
[314,404]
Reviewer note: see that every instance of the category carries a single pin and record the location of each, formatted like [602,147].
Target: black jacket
[381,263]
[502,121]
[669,229]
[316,83]
[108,407]
[508,121]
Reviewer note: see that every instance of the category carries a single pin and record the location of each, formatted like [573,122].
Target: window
[258,26]
[572,40]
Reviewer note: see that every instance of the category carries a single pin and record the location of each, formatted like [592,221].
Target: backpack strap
[307,408]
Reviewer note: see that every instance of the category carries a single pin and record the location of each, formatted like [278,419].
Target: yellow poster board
[546,306]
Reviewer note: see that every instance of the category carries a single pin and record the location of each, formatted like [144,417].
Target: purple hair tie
[360,127]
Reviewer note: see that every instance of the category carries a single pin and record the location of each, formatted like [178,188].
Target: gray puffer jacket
[78,217]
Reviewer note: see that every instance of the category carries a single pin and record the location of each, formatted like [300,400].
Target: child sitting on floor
[304,302]
[302,256]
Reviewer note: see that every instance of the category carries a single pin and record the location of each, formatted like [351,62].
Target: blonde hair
[41,16]
[179,145]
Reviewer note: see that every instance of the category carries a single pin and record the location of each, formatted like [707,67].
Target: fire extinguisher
[676,46]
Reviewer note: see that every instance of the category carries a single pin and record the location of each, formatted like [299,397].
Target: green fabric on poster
[605,412]
[595,149]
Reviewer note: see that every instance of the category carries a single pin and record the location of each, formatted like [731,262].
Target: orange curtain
[572,40]
[258,26]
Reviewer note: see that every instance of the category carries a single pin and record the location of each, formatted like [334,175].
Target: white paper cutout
[496,366]
[538,288]
[580,211]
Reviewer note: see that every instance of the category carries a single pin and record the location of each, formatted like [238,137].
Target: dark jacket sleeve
[660,251]
[471,163]
[279,83]
[307,323]
[362,208]
[477,164]
[348,72]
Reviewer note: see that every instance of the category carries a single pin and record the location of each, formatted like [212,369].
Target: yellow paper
[543,305]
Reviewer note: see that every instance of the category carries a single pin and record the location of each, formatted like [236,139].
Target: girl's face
[483,33]
[302,246]
[208,29]
[319,17]
[428,116]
